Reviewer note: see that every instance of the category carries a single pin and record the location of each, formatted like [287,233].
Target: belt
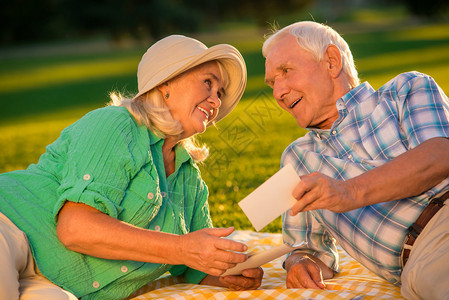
[432,208]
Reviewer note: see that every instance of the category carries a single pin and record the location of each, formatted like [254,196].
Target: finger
[299,190]
[213,271]
[227,244]
[309,282]
[301,277]
[317,277]
[220,232]
[229,257]
[253,273]
[220,265]
[293,282]
[238,282]
[306,203]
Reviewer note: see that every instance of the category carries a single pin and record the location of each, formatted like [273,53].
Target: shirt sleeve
[305,228]
[102,155]
[423,109]
[317,241]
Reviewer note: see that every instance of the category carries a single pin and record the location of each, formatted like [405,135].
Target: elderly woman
[117,200]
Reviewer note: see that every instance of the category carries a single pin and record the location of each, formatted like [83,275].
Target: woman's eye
[208,82]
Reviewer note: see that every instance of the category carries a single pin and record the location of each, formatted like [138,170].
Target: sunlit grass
[66,72]
[430,32]
[433,61]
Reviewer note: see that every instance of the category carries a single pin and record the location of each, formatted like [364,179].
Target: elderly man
[374,165]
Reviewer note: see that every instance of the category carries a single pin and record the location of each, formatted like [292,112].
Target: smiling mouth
[204,111]
[296,102]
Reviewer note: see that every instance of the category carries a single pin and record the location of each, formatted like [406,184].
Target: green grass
[41,94]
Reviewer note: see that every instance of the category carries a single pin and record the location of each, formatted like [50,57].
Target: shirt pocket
[142,200]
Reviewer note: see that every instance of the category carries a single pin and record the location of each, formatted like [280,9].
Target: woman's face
[194,97]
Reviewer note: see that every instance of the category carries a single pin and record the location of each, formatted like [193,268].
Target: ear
[333,58]
[163,88]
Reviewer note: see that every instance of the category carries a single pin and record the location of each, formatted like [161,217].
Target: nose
[214,100]
[280,90]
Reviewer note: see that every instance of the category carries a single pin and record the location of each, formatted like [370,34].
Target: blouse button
[349,156]
[86,177]
[164,194]
[157,228]
[96,284]
[334,132]
[124,269]
[150,195]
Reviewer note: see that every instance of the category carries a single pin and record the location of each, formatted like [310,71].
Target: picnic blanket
[353,282]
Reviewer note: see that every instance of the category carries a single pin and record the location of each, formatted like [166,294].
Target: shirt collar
[181,154]
[355,96]
[154,138]
[347,103]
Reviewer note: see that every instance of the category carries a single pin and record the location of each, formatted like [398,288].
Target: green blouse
[105,160]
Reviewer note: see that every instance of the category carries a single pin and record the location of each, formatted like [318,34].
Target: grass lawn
[40,94]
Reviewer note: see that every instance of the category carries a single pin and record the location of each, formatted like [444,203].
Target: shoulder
[109,126]
[409,80]
[108,113]
[107,119]
[295,149]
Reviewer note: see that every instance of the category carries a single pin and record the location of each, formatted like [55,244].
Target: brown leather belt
[432,208]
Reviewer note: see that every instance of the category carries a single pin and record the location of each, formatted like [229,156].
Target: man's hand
[316,191]
[407,175]
[306,271]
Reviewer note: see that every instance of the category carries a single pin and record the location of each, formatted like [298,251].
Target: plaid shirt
[373,127]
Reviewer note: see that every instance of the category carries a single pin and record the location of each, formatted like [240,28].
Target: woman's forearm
[84,229]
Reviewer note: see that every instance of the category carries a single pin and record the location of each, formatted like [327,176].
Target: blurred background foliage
[26,21]
[60,58]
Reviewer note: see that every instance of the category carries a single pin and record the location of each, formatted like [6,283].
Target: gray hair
[316,38]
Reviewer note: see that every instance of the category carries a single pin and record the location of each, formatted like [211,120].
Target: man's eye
[219,95]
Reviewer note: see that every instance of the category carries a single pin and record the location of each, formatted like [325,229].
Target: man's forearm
[407,175]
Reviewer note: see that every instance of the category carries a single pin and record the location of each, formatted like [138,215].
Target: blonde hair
[150,110]
[316,38]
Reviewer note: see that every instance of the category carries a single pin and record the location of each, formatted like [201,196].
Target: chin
[301,124]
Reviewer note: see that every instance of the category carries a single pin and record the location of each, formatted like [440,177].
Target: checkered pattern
[373,127]
[353,282]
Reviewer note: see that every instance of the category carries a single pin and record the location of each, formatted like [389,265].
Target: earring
[167,95]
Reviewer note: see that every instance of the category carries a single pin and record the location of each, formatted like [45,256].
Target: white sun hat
[176,54]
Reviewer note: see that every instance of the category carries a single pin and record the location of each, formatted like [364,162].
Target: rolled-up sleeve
[423,109]
[102,157]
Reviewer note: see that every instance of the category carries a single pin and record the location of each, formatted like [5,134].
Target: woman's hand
[250,279]
[205,250]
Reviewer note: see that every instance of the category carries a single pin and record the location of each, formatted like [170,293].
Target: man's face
[301,85]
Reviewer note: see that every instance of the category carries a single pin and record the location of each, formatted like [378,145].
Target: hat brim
[229,57]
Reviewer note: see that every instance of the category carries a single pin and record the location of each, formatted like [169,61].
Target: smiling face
[301,85]
[194,97]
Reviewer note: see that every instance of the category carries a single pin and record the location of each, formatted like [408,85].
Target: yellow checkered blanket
[353,282]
